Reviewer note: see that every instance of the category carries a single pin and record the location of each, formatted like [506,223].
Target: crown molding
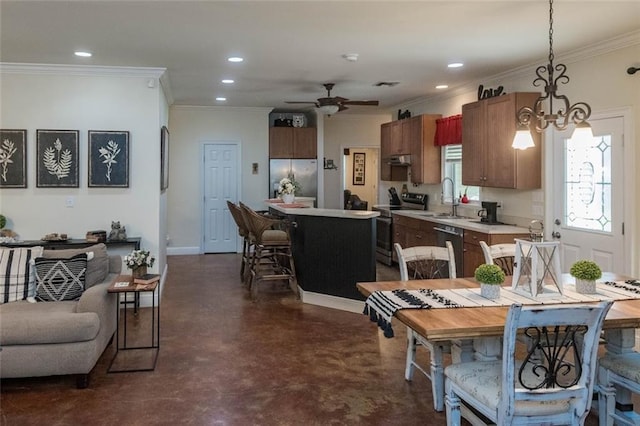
[587,52]
[84,70]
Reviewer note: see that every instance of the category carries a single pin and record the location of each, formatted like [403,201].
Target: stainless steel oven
[384,222]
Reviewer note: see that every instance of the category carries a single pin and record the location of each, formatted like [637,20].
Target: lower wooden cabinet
[410,232]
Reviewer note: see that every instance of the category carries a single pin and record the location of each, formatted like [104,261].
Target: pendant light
[577,113]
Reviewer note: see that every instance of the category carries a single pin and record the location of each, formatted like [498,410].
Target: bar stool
[247,245]
[618,374]
[271,259]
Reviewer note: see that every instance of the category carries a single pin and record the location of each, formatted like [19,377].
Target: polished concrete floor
[225,360]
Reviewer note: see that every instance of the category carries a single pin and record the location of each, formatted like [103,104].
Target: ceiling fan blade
[372,103]
[341,107]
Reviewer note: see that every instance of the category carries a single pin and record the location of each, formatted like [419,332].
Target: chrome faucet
[454,201]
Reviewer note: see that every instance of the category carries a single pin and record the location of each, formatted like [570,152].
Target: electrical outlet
[70,202]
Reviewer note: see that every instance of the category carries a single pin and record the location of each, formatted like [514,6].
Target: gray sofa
[61,338]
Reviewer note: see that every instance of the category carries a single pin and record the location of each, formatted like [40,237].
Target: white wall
[87,98]
[190,127]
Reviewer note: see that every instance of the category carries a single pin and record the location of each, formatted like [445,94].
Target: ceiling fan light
[328,109]
[522,139]
[582,132]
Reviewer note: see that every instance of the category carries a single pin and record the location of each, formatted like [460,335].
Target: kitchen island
[332,250]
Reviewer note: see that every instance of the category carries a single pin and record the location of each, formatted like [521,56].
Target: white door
[220,185]
[588,196]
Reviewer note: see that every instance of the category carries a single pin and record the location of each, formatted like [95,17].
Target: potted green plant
[586,272]
[490,278]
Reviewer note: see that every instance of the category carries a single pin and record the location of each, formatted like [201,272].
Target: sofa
[46,338]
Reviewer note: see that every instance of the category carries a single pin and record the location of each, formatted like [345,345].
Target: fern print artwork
[57,161]
[57,152]
[13,161]
[108,158]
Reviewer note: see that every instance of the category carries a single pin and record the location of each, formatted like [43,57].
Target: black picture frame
[57,158]
[108,159]
[13,158]
[164,158]
[359,159]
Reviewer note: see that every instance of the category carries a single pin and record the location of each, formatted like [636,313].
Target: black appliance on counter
[489,213]
[384,222]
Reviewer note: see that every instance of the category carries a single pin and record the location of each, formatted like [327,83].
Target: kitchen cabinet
[412,136]
[410,232]
[425,157]
[488,127]
[473,255]
[293,142]
[387,171]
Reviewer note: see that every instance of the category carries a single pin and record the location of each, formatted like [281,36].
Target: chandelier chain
[551,55]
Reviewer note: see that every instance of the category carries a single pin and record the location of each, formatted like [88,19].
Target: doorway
[219,184]
[589,200]
[360,173]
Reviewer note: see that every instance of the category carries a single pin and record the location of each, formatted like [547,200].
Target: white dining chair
[523,389]
[622,371]
[502,255]
[426,262]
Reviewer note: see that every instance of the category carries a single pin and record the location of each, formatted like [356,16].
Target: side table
[124,284]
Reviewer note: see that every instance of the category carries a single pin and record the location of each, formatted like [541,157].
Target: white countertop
[312,211]
[472,224]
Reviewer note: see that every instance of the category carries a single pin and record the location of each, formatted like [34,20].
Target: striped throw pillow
[60,279]
[17,277]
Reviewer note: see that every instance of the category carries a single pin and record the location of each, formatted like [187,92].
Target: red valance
[448,131]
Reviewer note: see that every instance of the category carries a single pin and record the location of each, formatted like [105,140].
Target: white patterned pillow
[17,277]
[60,279]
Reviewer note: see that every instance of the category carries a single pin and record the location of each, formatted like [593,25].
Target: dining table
[474,333]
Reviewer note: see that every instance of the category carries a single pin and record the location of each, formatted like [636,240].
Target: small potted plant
[138,261]
[586,272]
[490,278]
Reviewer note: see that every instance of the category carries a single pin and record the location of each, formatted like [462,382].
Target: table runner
[382,305]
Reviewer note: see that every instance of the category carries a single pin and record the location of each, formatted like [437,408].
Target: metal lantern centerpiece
[536,271]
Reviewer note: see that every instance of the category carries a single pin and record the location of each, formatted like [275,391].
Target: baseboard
[182,251]
[327,301]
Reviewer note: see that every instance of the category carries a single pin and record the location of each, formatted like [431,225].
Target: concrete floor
[225,360]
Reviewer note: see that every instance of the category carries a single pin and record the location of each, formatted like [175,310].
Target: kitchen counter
[312,211]
[472,224]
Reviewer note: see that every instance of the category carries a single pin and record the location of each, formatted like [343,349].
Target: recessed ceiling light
[235,59]
[220,98]
[455,65]
[82,54]
[228,81]
[442,86]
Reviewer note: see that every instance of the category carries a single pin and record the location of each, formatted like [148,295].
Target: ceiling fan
[331,105]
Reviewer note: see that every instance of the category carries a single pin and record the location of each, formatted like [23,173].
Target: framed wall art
[13,158]
[358,168]
[108,159]
[57,158]
[164,158]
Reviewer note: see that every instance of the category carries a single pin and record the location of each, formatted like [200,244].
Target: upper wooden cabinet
[488,127]
[293,142]
[425,157]
[412,136]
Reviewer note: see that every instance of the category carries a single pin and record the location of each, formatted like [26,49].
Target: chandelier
[566,114]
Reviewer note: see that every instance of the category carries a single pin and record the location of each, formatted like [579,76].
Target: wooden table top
[132,286]
[465,323]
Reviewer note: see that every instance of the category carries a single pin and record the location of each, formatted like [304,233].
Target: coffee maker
[489,212]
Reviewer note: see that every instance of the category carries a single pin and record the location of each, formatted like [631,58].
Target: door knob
[555,235]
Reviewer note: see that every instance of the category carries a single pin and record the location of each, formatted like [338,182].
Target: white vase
[585,286]
[288,198]
[490,291]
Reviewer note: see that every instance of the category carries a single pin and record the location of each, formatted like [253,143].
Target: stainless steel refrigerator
[305,173]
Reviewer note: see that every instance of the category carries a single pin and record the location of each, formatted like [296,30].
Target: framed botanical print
[13,158]
[57,158]
[358,168]
[108,159]
[164,158]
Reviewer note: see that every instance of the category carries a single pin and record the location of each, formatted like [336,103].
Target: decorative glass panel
[588,184]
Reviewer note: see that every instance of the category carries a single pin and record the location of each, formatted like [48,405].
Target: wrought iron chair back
[502,255]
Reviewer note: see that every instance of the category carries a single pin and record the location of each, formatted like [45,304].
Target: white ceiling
[291,48]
